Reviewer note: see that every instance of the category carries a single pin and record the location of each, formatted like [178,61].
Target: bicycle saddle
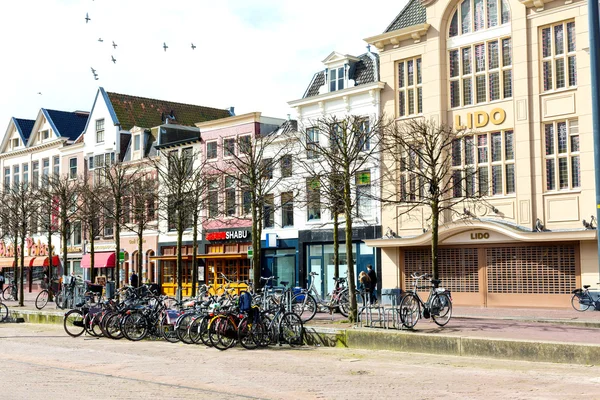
[436,282]
[339,279]
[284,283]
[313,274]
[586,286]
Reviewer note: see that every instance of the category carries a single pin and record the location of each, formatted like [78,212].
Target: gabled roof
[67,124]
[365,70]
[412,14]
[24,126]
[131,111]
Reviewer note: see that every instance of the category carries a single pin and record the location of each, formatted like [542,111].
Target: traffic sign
[249,251]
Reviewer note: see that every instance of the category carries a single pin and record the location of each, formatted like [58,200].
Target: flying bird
[100,40]
[193,46]
[39,93]
[87,18]
[114,44]
[165,46]
[93,70]
[113,59]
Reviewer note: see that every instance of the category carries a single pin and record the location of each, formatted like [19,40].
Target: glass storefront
[281,263]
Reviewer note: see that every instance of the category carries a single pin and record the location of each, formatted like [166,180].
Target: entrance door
[316,265]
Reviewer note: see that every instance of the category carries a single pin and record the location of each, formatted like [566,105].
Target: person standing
[373,281]
[1,281]
[133,280]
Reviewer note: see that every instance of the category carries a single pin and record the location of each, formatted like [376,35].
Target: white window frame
[571,154]
[100,130]
[336,83]
[552,59]
[72,169]
[229,141]
[409,83]
[216,151]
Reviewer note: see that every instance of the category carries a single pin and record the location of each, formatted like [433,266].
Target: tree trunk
[179,293]
[117,249]
[92,257]
[22,271]
[50,260]
[336,244]
[195,255]
[64,234]
[434,238]
[352,314]
[255,248]
[140,259]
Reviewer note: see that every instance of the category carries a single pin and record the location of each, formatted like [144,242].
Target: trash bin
[110,289]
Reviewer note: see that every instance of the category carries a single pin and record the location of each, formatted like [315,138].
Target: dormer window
[45,135]
[336,79]
[15,143]
[136,142]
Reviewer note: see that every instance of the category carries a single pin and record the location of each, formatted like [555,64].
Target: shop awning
[171,258]
[222,256]
[7,262]
[101,260]
[44,261]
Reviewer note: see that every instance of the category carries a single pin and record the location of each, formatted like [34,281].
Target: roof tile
[413,13]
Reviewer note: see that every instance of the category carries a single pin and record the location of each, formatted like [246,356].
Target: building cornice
[229,121]
[395,37]
[44,146]
[376,86]
[537,4]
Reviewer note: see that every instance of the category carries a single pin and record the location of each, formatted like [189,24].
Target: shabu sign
[229,235]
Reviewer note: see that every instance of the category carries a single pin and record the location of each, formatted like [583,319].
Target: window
[213,197]
[336,79]
[287,209]
[476,15]
[410,92]
[312,141]
[483,80]
[16,176]
[91,163]
[108,220]
[15,143]
[100,130]
[77,233]
[364,138]
[26,174]
[56,166]
[484,164]
[126,210]
[313,187]
[35,174]
[563,170]
[230,196]
[188,159]
[246,201]
[559,69]
[211,150]
[6,178]
[245,144]
[228,147]
[73,168]
[268,211]
[286,166]
[267,168]
[411,186]
[136,142]
[45,171]
[363,194]
[45,135]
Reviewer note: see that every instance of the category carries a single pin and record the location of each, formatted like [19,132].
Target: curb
[569,322]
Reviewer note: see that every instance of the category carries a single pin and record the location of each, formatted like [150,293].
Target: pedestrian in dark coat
[373,278]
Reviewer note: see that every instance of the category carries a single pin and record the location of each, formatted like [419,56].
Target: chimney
[232,111]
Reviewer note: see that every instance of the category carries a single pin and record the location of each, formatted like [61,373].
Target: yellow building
[516,72]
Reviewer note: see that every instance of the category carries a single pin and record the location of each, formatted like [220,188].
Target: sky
[255,55]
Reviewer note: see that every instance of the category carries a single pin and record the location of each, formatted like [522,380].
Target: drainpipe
[594,30]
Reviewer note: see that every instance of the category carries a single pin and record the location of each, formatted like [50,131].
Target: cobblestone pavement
[42,362]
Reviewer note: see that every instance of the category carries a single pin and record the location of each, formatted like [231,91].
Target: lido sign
[479,119]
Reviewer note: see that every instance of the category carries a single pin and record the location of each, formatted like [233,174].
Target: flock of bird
[114,45]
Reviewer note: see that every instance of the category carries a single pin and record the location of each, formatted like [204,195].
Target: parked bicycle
[11,292]
[46,294]
[307,302]
[582,299]
[437,307]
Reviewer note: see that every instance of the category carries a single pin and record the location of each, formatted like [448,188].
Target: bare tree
[337,151]
[62,192]
[424,168]
[117,180]
[21,202]
[90,210]
[174,169]
[251,170]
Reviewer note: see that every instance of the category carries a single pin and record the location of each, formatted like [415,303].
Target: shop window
[559,68]
[563,169]
[484,164]
[410,91]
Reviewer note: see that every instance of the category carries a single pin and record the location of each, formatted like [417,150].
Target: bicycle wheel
[441,309]
[96,325]
[228,335]
[410,311]
[60,301]
[246,332]
[578,305]
[3,312]
[291,329]
[87,324]
[344,303]
[182,327]
[197,328]
[305,306]
[214,327]
[134,326]
[42,299]
[7,293]
[73,323]
[112,326]
[167,330]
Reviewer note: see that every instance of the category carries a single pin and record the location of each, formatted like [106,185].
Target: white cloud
[254,55]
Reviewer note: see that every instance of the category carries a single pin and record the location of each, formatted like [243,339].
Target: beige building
[517,73]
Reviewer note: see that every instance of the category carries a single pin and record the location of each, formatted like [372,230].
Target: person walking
[133,280]
[364,286]
[373,278]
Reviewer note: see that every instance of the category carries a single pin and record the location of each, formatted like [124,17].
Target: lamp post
[594,33]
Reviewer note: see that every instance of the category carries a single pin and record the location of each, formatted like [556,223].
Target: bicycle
[437,307]
[48,292]
[3,312]
[11,292]
[307,302]
[582,299]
